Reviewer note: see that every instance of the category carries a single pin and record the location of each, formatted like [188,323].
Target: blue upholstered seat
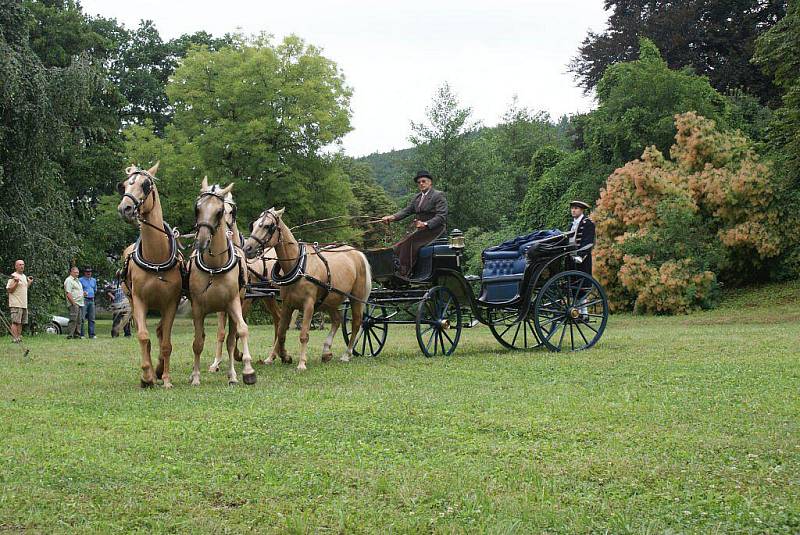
[504,266]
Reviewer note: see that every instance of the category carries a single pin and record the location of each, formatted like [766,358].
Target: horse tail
[368,274]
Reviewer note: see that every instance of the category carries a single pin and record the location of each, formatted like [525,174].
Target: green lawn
[682,424]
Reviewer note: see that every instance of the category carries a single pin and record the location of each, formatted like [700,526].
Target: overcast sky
[395,54]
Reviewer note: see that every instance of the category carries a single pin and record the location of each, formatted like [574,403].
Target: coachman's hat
[421,174]
[580,204]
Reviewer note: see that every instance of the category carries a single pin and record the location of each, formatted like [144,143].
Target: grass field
[682,424]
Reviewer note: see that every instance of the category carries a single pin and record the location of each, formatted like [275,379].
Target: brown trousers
[408,248]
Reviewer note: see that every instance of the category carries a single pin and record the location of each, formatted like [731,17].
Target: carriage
[524,295]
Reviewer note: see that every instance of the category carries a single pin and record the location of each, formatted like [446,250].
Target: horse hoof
[145,384]
[213,368]
[232,383]
[249,378]
[286,360]
[326,357]
[167,385]
[344,358]
[261,361]
[301,367]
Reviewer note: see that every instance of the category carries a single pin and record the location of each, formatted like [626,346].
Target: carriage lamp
[456,239]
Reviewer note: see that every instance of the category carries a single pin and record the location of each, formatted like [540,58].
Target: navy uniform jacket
[583,236]
[433,211]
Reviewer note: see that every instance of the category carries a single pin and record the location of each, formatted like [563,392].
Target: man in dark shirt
[429,208]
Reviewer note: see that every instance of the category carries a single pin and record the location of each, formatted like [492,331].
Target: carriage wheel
[372,336]
[438,322]
[511,333]
[570,312]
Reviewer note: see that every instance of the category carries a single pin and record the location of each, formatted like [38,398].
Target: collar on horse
[295,273]
[233,259]
[140,260]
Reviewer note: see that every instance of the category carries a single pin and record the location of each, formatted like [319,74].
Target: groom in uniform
[582,233]
[430,210]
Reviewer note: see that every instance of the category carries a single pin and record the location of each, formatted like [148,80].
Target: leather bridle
[263,244]
[137,203]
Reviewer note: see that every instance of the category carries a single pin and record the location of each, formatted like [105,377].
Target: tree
[258,115]
[667,230]
[715,38]
[442,149]
[39,107]
[637,101]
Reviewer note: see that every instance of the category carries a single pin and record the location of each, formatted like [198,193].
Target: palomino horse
[338,272]
[151,274]
[217,272]
[258,270]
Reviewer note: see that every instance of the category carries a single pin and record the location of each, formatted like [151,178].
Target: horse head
[209,212]
[264,232]
[138,192]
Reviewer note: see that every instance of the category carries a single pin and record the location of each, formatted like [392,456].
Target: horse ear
[204,184]
[226,190]
[130,169]
[153,170]
[279,213]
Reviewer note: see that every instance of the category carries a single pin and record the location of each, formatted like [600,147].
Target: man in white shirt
[73,290]
[17,288]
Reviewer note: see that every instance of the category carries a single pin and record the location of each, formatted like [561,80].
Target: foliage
[575,176]
[666,230]
[715,38]
[637,101]
[370,202]
[39,108]
[778,53]
[393,170]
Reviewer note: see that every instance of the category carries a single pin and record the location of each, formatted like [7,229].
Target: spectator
[120,308]
[17,288]
[74,292]
[89,285]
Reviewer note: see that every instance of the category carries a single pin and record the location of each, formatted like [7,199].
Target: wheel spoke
[571,337]
[592,328]
[428,345]
[363,343]
[444,332]
[550,320]
[369,339]
[516,333]
[563,332]
[578,326]
[578,292]
[551,332]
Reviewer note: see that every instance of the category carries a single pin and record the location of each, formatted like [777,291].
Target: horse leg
[199,340]
[357,308]
[248,373]
[231,347]
[275,312]
[336,320]
[140,313]
[279,347]
[165,345]
[246,305]
[160,365]
[308,316]
[221,320]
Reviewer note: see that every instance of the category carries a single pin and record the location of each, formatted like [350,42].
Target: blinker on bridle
[147,188]
[210,193]
[271,228]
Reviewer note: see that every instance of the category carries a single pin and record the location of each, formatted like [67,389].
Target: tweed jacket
[433,210]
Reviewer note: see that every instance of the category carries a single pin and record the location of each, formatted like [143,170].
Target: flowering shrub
[667,230]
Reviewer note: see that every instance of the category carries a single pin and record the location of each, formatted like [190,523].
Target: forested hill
[391,170]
